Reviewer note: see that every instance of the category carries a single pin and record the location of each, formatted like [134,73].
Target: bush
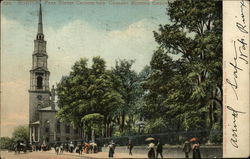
[5,142]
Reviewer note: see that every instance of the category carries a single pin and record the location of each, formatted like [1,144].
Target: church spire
[40,21]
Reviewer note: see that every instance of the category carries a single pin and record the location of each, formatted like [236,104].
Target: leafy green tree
[128,89]
[6,142]
[186,79]
[93,122]
[104,97]
[21,133]
[87,91]
[72,94]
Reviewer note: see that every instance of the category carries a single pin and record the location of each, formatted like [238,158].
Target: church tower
[39,92]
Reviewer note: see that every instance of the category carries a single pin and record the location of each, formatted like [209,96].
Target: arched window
[67,128]
[58,126]
[47,125]
[39,82]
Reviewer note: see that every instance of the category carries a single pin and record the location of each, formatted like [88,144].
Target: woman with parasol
[195,147]
[151,148]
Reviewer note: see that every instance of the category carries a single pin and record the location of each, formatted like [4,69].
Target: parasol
[193,139]
[149,139]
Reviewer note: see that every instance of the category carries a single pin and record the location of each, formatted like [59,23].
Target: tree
[72,94]
[87,91]
[93,122]
[128,89]
[6,143]
[186,79]
[21,133]
[104,97]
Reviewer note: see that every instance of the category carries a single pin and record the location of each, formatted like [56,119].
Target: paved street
[52,155]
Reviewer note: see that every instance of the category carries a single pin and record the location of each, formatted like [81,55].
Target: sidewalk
[104,155]
[116,155]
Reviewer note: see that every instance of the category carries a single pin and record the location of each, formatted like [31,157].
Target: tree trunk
[123,122]
[93,135]
[107,130]
[110,130]
[211,115]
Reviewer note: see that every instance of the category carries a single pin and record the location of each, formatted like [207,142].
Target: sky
[117,29]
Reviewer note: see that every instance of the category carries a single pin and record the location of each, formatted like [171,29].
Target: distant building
[44,127]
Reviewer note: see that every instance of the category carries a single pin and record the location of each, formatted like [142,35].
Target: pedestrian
[151,151]
[87,147]
[111,149]
[95,148]
[61,149]
[57,148]
[130,146]
[196,150]
[71,147]
[159,149]
[80,149]
[91,147]
[187,148]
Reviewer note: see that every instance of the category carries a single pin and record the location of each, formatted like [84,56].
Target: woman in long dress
[151,151]
[196,150]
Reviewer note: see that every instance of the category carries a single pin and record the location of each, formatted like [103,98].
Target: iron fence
[171,138]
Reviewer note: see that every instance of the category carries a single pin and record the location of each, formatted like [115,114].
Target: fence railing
[171,138]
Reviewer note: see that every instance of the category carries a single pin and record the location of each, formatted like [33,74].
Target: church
[44,127]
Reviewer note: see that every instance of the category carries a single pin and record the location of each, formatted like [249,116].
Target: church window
[58,127]
[36,133]
[47,139]
[47,125]
[39,82]
[76,130]
[67,129]
[46,129]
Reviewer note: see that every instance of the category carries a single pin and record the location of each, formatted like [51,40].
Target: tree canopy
[180,90]
[186,78]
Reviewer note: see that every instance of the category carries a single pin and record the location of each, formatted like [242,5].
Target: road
[36,155]
[65,155]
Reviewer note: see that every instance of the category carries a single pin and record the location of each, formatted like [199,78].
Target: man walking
[130,147]
[186,148]
[159,149]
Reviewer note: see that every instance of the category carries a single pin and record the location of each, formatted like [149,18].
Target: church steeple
[40,22]
[40,35]
[39,72]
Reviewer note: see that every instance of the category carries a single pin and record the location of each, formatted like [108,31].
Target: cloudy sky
[72,30]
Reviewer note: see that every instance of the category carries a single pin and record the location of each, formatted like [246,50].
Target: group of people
[151,152]
[192,145]
[155,150]
[152,147]
[40,147]
[85,147]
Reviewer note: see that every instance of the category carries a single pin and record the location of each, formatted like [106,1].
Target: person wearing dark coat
[159,148]
[187,148]
[196,151]
[111,149]
[130,147]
